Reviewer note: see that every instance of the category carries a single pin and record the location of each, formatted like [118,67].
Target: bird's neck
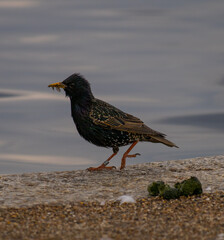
[81,107]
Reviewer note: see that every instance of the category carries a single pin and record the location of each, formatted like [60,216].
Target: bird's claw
[133,155]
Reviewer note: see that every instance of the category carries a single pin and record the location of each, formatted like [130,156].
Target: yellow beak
[57,86]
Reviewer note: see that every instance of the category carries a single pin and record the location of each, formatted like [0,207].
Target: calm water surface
[159,60]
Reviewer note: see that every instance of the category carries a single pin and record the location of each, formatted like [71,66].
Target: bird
[103,124]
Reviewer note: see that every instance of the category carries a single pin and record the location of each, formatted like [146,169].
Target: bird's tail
[163,140]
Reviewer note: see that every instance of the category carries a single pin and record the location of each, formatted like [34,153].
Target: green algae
[189,187]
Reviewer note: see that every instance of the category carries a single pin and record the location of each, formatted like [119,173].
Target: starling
[103,124]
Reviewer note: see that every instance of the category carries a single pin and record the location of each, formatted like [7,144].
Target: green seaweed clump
[189,187]
[155,188]
[161,189]
[169,193]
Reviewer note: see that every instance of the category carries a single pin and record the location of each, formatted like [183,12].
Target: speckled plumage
[103,124]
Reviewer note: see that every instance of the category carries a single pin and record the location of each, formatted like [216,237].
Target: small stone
[220,236]
[126,199]
[102,203]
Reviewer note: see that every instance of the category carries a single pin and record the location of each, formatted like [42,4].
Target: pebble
[148,218]
[126,199]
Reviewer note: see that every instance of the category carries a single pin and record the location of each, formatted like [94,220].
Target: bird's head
[76,87]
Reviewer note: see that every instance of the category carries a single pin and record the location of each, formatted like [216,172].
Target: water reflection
[45,159]
[18,4]
[39,39]
[7,95]
[153,60]
[213,121]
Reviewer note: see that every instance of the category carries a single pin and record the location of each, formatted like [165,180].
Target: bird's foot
[100,168]
[133,155]
[123,160]
[103,165]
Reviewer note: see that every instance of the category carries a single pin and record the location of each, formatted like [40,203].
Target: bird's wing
[108,116]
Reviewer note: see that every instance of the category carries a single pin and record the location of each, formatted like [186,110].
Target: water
[159,60]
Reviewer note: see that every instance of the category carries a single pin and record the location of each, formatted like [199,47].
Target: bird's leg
[105,163]
[123,160]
